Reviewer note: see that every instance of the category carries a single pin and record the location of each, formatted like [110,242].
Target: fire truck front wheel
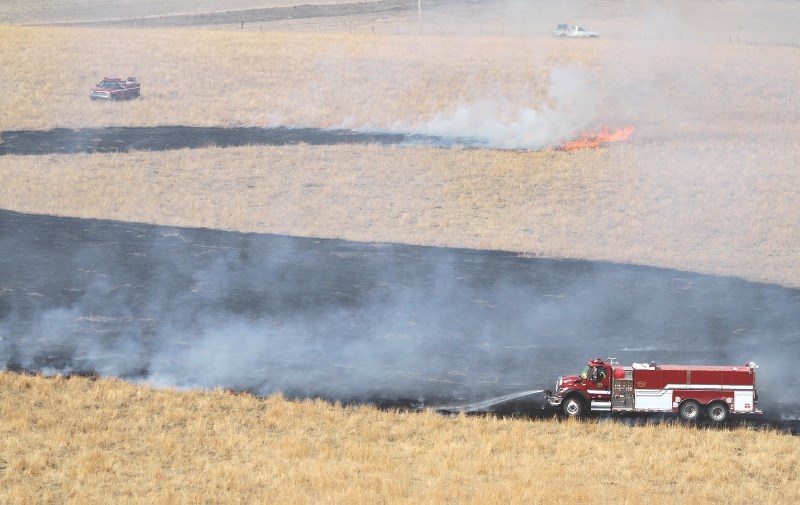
[689,410]
[572,406]
[718,412]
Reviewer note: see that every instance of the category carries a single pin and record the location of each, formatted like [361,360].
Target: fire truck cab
[688,390]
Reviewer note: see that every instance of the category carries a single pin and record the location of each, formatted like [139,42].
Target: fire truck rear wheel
[572,407]
[689,410]
[718,412]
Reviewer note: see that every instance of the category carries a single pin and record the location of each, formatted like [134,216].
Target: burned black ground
[159,138]
[395,325]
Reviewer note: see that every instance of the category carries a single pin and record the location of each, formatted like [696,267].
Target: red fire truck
[689,390]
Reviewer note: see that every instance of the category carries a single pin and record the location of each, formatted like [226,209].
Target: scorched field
[321,223]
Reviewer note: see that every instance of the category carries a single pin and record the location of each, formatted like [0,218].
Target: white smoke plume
[499,122]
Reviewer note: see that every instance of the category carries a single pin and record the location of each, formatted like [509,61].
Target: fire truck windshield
[593,373]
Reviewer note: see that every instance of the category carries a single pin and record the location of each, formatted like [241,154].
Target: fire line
[594,140]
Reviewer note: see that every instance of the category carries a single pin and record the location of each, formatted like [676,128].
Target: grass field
[196,77]
[214,77]
[707,183]
[611,204]
[99,441]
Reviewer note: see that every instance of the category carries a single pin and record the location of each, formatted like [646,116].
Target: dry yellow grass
[81,441]
[206,77]
[194,77]
[613,204]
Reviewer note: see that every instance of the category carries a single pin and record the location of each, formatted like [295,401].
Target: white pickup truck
[564,30]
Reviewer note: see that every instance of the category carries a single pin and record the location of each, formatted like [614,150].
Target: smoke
[359,322]
[502,123]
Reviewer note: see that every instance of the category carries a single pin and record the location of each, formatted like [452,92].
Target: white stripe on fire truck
[709,386]
[679,386]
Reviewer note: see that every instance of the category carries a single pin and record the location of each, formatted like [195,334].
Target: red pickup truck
[116,88]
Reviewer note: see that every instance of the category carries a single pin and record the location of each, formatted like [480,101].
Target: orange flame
[595,140]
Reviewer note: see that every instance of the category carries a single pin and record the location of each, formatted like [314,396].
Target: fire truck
[688,390]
